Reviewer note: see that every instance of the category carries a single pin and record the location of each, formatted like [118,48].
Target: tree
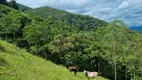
[36,35]
[60,46]
[11,26]
[135,71]
[116,42]
[95,52]
[13,4]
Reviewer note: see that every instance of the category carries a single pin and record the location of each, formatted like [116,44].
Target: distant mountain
[83,22]
[23,7]
[136,28]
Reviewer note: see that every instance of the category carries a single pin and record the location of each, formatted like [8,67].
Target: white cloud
[129,11]
[124,4]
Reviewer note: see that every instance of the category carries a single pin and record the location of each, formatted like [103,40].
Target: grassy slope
[17,64]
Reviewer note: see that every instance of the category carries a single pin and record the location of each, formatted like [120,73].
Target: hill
[83,22]
[23,7]
[112,51]
[17,64]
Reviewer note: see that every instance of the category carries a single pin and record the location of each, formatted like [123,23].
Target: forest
[110,48]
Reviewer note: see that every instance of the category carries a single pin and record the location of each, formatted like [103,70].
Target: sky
[130,11]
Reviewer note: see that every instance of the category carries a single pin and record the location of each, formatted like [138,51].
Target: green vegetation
[13,4]
[17,64]
[10,3]
[64,38]
[75,20]
[23,7]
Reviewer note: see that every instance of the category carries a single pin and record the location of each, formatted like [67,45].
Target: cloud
[124,4]
[130,11]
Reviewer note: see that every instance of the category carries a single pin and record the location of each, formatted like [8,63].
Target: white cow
[91,74]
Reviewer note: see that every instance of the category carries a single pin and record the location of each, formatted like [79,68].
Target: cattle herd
[88,74]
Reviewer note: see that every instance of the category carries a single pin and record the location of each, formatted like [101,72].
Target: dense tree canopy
[75,20]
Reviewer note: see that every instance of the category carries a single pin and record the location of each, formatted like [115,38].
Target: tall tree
[116,42]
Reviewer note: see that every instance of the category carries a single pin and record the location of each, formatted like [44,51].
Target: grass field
[17,64]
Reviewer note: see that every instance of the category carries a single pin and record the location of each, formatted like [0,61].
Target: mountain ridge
[23,7]
[83,22]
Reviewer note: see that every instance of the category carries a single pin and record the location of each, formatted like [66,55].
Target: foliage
[81,22]
[11,25]
[13,4]
[44,32]
[67,39]
[23,7]
[24,66]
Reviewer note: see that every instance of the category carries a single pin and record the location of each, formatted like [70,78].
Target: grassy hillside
[17,64]
[83,22]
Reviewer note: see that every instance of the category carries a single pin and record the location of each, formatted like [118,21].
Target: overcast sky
[130,11]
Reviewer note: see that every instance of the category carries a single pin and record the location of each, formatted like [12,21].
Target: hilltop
[83,22]
[23,7]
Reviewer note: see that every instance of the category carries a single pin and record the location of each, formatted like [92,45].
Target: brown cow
[72,68]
